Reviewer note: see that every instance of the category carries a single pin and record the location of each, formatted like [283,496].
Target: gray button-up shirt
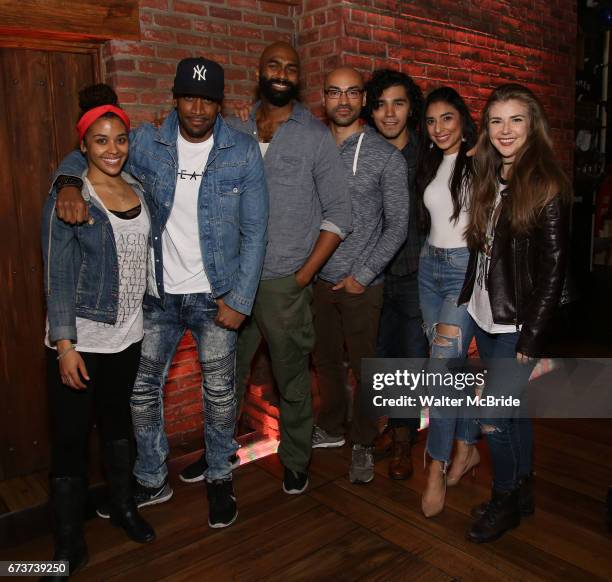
[307,182]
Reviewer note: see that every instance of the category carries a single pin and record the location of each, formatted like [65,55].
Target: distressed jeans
[510,440]
[441,275]
[163,329]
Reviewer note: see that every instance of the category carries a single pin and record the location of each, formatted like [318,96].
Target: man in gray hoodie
[348,294]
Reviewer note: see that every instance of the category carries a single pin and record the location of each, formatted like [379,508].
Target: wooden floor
[374,532]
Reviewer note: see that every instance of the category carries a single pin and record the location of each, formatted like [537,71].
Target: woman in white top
[444,179]
[95,279]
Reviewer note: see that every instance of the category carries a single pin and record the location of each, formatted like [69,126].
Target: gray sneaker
[322,440]
[362,465]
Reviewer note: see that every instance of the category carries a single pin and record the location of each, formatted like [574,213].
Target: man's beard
[278,98]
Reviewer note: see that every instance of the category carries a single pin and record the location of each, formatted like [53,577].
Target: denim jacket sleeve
[332,187]
[60,256]
[253,234]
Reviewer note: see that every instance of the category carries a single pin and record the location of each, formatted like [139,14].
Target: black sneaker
[142,496]
[222,510]
[294,482]
[195,472]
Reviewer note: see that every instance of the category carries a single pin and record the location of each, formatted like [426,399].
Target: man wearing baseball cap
[206,189]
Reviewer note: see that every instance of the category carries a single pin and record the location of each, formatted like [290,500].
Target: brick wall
[231,32]
[472,45]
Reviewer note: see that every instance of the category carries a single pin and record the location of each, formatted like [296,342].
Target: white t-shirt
[183,265]
[444,233]
[131,241]
[263,147]
[479,306]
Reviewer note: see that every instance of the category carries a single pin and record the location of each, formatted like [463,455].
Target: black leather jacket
[526,273]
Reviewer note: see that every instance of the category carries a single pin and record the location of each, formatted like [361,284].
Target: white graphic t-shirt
[183,265]
[479,306]
[131,241]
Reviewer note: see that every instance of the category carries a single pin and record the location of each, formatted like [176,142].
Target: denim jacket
[232,205]
[81,271]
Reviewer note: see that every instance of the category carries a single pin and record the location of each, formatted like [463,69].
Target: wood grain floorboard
[340,531]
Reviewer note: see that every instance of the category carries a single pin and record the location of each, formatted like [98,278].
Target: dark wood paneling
[38,113]
[100,19]
[29,160]
[69,73]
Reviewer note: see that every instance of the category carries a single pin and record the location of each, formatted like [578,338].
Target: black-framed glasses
[351,93]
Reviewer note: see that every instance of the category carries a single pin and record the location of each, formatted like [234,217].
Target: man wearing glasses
[348,294]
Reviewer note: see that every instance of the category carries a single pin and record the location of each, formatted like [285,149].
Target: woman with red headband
[95,279]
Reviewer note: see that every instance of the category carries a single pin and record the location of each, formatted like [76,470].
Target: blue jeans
[441,276]
[163,329]
[400,333]
[510,440]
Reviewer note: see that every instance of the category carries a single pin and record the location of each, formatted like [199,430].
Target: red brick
[115,65]
[245,31]
[157,4]
[190,8]
[259,19]
[210,26]
[156,67]
[377,49]
[170,21]
[126,97]
[358,30]
[230,44]
[194,41]
[275,7]
[133,82]
[226,14]
[118,47]
[173,53]
[158,35]
[271,36]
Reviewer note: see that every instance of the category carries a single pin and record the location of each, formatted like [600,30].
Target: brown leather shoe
[400,464]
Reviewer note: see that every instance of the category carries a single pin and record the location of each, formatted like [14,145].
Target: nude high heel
[432,502]
[458,470]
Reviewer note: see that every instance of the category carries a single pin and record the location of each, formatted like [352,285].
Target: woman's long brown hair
[535,177]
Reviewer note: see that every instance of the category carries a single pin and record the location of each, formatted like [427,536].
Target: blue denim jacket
[81,271]
[232,205]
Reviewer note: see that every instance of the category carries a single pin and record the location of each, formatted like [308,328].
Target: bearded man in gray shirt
[310,214]
[348,294]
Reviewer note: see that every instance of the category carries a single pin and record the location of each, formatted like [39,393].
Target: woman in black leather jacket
[519,238]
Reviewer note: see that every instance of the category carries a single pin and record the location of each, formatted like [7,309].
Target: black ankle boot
[501,514]
[526,500]
[123,510]
[68,504]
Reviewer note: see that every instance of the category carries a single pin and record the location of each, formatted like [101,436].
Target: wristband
[63,181]
[72,347]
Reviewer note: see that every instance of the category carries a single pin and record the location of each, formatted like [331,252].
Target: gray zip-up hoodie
[378,182]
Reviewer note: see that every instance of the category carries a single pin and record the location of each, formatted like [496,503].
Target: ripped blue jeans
[510,440]
[163,329]
[441,276]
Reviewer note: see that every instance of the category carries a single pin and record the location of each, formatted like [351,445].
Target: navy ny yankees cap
[199,77]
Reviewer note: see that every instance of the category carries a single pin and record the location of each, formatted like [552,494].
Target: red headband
[88,118]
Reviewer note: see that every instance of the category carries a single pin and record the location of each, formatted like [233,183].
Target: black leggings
[107,393]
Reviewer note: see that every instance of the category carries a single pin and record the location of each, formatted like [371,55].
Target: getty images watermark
[494,388]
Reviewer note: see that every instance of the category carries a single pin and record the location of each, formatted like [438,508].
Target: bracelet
[72,347]
[63,181]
